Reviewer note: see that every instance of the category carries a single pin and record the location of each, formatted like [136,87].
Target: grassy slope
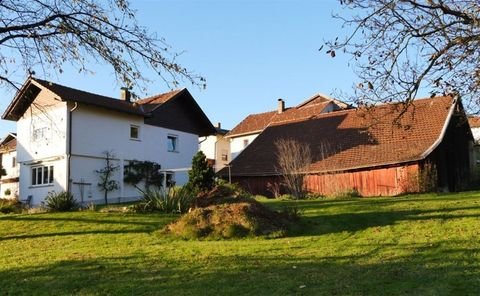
[410,245]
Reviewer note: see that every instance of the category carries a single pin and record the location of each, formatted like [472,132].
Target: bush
[346,194]
[202,176]
[10,206]
[175,200]
[60,202]
[7,191]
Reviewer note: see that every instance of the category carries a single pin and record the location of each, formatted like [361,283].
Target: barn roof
[353,139]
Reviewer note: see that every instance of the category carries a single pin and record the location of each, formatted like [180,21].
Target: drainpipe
[69,151]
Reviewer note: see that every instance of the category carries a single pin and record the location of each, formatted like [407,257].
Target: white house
[248,129]
[63,134]
[8,160]
[217,148]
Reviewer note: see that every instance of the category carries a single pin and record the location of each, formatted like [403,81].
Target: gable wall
[47,118]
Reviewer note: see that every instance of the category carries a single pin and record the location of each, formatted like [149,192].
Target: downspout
[69,152]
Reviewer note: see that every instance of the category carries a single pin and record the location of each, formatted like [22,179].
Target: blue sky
[250,52]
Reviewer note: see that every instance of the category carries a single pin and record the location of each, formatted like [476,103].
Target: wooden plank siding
[387,181]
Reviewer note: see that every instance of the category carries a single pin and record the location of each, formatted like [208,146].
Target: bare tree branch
[48,34]
[401,47]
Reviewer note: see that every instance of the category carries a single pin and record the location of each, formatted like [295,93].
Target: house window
[14,162]
[172,142]
[224,154]
[245,143]
[42,175]
[134,132]
[39,134]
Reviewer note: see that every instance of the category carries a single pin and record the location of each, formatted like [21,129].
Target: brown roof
[179,110]
[71,94]
[253,123]
[353,139]
[9,143]
[474,121]
[314,106]
[150,103]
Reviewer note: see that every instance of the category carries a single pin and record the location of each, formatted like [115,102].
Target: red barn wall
[389,181]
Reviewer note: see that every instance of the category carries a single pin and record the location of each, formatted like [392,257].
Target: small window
[42,175]
[224,154]
[134,132]
[39,134]
[245,143]
[172,142]
[14,162]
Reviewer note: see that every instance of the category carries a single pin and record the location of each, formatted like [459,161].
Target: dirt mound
[232,218]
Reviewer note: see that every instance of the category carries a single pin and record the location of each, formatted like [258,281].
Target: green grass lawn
[412,245]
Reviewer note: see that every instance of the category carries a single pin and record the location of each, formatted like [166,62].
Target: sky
[251,53]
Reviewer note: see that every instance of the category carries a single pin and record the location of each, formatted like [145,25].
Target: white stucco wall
[476,134]
[49,115]
[12,171]
[213,148]
[208,146]
[237,144]
[97,130]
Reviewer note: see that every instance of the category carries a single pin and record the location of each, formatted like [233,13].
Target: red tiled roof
[253,123]
[474,121]
[311,108]
[353,139]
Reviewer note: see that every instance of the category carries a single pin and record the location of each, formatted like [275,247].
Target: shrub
[347,193]
[60,202]
[175,200]
[10,206]
[201,177]
[7,191]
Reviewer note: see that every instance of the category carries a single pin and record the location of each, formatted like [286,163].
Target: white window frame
[39,133]
[138,132]
[38,175]
[175,143]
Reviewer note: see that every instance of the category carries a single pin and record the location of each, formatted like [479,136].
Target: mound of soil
[229,217]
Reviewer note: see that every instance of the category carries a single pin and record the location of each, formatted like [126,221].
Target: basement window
[42,175]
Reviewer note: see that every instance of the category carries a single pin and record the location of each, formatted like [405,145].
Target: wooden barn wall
[388,181]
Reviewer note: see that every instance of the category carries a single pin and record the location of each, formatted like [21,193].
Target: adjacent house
[373,151]
[8,161]
[63,135]
[247,130]
[474,122]
[216,148]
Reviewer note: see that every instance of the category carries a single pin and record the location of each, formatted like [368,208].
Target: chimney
[125,94]
[281,106]
[219,125]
